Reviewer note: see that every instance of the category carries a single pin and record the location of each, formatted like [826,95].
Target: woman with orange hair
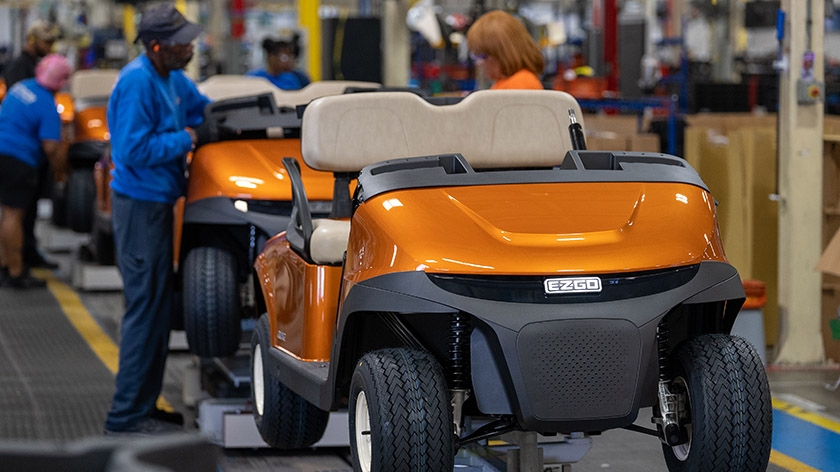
[502,47]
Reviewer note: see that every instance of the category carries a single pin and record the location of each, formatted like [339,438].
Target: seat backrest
[292,98]
[221,87]
[92,83]
[491,129]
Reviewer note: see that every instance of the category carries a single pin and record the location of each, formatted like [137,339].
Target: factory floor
[58,355]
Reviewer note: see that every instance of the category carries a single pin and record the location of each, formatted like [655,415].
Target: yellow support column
[311,23]
[190,11]
[129,28]
[800,189]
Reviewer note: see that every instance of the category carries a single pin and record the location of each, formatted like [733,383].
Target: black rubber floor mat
[775,468]
[52,385]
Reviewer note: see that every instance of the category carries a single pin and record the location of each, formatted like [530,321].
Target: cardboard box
[829,317]
[740,171]
[829,262]
[643,142]
[619,124]
[606,142]
[831,125]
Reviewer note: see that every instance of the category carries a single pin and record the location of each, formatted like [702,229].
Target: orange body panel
[252,169]
[177,230]
[91,124]
[301,299]
[64,104]
[534,229]
[102,177]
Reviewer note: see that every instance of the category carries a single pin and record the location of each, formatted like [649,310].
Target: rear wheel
[102,241]
[400,417]
[81,193]
[58,196]
[284,419]
[727,398]
[212,312]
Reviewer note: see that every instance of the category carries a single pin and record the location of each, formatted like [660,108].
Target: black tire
[81,194]
[729,406]
[102,242]
[408,413]
[58,196]
[284,419]
[212,312]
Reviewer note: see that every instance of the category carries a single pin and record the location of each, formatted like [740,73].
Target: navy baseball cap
[165,23]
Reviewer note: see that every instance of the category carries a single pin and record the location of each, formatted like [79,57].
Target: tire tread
[737,403]
[411,395]
[211,302]
[288,421]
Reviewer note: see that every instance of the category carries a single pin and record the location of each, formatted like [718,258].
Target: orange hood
[252,169]
[557,228]
[91,124]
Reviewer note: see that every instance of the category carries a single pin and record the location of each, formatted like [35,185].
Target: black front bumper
[86,153]
[564,365]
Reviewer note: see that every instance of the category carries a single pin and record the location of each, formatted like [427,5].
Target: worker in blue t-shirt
[40,37]
[280,64]
[151,112]
[30,132]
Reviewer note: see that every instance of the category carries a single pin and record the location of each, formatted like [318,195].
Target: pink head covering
[52,72]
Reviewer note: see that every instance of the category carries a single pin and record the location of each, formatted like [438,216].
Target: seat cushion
[329,240]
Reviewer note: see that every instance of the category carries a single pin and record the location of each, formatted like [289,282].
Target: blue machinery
[639,105]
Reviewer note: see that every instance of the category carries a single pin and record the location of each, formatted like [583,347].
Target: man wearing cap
[30,133]
[40,37]
[151,112]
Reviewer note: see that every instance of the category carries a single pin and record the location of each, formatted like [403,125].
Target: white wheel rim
[363,425]
[258,382]
[681,451]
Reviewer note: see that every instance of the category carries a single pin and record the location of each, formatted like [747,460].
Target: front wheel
[728,408]
[81,194]
[212,311]
[284,419]
[400,417]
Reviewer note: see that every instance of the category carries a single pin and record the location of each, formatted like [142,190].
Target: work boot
[147,427]
[34,258]
[167,416]
[24,281]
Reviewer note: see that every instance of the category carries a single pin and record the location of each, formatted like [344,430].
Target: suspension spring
[663,350]
[252,245]
[459,352]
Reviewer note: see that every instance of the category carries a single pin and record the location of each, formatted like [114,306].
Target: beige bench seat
[221,87]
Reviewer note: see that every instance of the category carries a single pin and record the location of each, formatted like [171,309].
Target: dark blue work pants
[143,237]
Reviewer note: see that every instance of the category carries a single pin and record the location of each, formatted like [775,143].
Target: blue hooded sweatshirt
[147,115]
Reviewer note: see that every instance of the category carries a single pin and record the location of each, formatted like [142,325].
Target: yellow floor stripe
[88,328]
[806,415]
[80,318]
[789,463]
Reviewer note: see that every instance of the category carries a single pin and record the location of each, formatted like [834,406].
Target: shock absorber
[662,350]
[670,404]
[459,352]
[459,367]
[252,244]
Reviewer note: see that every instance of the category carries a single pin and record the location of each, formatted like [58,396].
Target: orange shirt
[523,79]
